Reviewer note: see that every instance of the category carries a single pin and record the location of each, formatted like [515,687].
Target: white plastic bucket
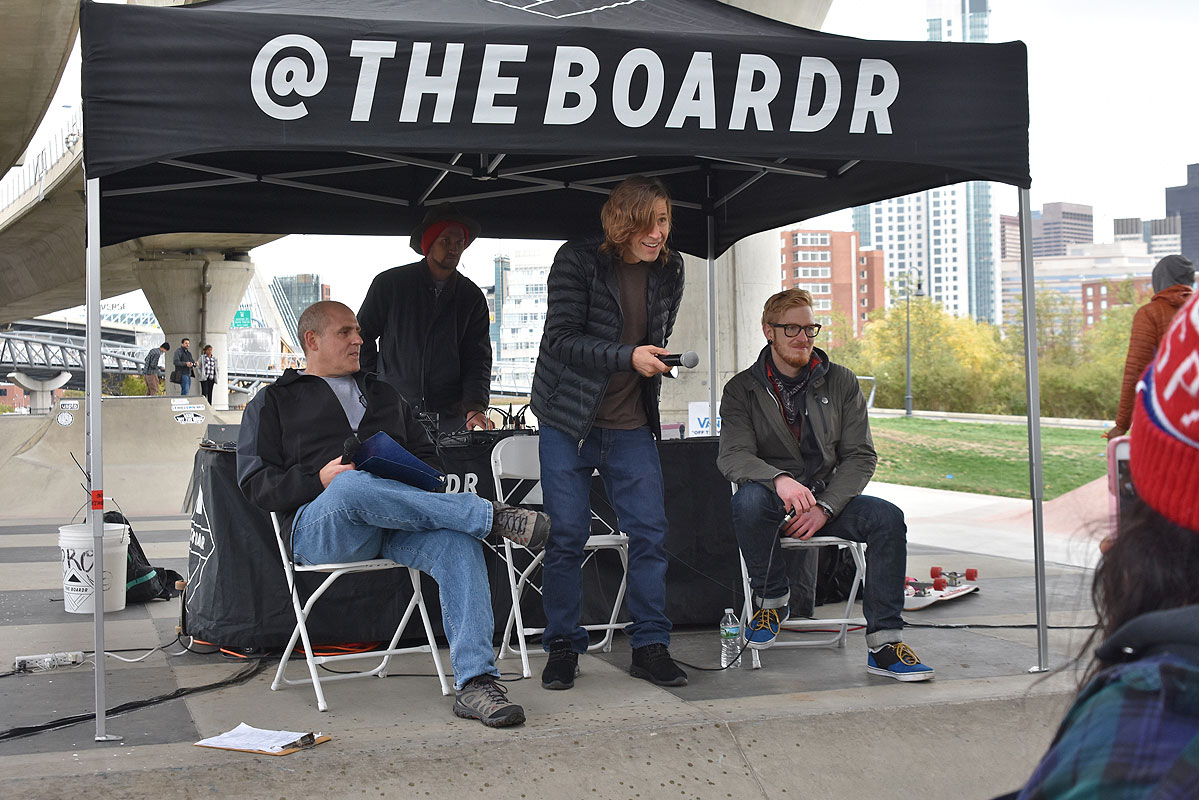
[78,557]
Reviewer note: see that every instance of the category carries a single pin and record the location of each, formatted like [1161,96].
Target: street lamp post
[907,293]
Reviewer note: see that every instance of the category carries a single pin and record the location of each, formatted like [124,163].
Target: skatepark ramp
[149,444]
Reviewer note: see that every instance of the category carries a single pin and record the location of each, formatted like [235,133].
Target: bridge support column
[195,295]
[41,391]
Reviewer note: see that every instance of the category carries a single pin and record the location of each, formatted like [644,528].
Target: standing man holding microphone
[612,305]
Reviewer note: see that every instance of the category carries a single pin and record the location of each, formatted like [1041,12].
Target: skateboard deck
[945,586]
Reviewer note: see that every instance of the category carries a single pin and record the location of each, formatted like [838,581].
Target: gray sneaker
[524,527]
[485,699]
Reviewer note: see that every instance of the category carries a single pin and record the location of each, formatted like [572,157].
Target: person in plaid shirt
[1133,730]
[207,372]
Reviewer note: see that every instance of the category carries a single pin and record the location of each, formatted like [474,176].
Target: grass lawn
[987,458]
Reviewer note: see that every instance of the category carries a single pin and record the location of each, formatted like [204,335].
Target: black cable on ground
[1024,625]
[246,674]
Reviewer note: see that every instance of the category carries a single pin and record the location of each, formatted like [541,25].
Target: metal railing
[64,143]
[62,352]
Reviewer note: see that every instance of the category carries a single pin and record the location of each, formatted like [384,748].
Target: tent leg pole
[94,447]
[1033,393]
[713,389]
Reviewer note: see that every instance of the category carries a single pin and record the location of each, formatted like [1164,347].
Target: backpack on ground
[142,581]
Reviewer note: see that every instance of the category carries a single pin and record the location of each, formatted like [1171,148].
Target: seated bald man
[290,448]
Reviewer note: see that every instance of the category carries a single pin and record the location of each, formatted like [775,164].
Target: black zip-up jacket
[580,345]
[434,349]
[295,426]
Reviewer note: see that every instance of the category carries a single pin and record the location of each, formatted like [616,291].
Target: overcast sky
[1114,120]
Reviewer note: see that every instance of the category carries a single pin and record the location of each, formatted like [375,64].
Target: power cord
[250,671]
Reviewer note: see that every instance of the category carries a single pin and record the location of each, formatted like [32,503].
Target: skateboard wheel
[935,572]
[940,583]
[971,574]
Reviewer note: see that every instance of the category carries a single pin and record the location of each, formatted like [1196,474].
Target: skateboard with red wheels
[944,586]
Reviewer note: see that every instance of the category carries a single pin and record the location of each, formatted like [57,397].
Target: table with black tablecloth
[237,595]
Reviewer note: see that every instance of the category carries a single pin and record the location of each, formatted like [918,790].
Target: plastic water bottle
[730,640]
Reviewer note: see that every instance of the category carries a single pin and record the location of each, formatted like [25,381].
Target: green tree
[956,362]
[133,386]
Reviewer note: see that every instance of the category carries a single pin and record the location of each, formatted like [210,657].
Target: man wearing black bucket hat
[431,326]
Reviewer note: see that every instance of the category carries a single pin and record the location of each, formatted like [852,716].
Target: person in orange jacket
[1172,286]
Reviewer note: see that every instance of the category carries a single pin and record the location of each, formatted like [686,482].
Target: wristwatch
[826,508]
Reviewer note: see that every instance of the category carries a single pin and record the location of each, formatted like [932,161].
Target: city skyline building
[1162,236]
[1183,202]
[837,272]
[1058,225]
[948,235]
[520,302]
[299,291]
[1084,264]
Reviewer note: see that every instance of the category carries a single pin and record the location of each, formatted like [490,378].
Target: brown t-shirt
[622,407]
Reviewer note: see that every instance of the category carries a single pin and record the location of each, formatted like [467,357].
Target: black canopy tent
[354,116]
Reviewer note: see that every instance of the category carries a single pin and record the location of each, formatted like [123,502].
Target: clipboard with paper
[383,456]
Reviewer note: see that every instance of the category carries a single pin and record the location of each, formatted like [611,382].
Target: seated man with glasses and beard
[795,439]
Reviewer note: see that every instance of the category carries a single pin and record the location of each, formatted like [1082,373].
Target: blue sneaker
[897,661]
[764,626]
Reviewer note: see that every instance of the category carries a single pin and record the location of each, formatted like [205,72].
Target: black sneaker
[524,527]
[562,667]
[485,699]
[653,662]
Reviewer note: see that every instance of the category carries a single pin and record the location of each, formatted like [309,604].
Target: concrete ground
[811,723]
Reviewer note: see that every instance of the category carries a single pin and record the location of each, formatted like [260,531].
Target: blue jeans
[360,516]
[757,514]
[185,384]
[628,463]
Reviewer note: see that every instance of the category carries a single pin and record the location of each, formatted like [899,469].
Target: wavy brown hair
[630,210]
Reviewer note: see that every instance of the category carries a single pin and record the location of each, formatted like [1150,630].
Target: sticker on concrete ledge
[68,405]
[189,418]
[65,418]
[176,407]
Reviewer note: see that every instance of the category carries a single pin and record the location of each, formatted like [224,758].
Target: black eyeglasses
[791,331]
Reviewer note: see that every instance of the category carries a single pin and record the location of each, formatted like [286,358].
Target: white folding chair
[840,624]
[334,572]
[516,459]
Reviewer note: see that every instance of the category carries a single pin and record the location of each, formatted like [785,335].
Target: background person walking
[151,368]
[207,372]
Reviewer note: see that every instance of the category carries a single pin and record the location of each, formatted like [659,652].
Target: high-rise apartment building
[520,303]
[945,236]
[299,291]
[1183,202]
[840,276]
[1009,236]
[1161,236]
[1059,225]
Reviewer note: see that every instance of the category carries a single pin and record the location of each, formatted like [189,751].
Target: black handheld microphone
[689,359]
[349,448]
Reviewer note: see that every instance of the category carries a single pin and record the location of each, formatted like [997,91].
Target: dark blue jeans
[757,513]
[628,463]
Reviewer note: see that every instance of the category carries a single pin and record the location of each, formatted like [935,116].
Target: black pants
[206,390]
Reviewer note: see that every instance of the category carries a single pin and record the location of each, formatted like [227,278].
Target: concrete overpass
[35,42]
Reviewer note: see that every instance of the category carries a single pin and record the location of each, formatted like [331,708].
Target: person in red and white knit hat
[1133,730]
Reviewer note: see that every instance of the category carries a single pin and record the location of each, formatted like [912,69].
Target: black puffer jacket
[580,346]
[434,349]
